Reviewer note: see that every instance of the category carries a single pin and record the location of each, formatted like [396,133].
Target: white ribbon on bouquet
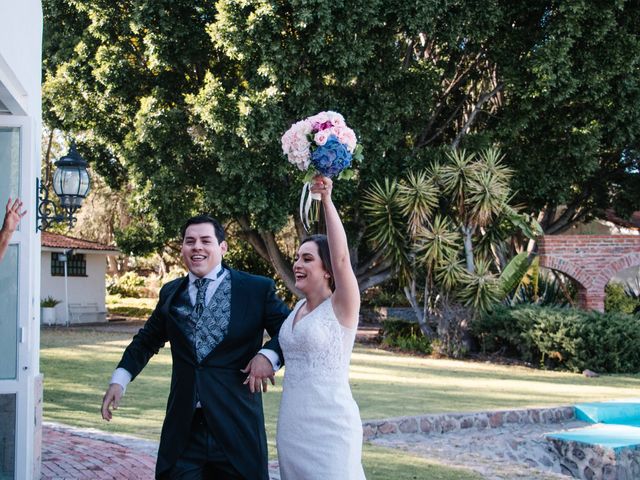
[306,202]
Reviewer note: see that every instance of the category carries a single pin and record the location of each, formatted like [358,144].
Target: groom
[214,319]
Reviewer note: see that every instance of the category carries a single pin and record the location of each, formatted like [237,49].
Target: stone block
[426,425]
[368,432]
[409,425]
[495,419]
[387,428]
[467,422]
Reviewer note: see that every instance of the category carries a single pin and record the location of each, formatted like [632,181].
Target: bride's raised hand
[322,186]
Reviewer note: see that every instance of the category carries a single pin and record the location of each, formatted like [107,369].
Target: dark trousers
[202,459]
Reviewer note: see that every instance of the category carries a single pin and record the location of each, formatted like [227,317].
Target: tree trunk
[374,273]
[410,293]
[467,230]
[281,265]
[370,273]
[476,109]
[162,265]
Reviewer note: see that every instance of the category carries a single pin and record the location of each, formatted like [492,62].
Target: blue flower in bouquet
[331,158]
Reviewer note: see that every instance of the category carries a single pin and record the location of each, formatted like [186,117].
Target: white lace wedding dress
[319,428]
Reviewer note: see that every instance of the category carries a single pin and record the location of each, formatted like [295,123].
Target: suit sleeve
[276,312]
[146,343]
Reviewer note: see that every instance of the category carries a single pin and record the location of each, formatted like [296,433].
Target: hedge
[556,337]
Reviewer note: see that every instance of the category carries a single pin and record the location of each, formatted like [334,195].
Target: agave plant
[436,241]
[417,198]
[481,288]
[387,225]
[450,273]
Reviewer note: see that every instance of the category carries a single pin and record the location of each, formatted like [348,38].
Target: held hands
[13,215]
[259,370]
[111,399]
[322,186]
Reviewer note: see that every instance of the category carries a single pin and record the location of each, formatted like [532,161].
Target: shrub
[618,300]
[389,294]
[499,331]
[563,337]
[453,337]
[405,336]
[552,335]
[128,285]
[49,302]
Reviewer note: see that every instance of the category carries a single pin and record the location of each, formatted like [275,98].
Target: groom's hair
[217,228]
[324,252]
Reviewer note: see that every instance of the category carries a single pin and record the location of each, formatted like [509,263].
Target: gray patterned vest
[207,331]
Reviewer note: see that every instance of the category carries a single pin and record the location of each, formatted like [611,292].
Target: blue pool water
[614,437]
[616,425]
[621,413]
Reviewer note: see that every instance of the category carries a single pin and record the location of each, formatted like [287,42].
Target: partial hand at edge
[259,370]
[110,400]
[13,215]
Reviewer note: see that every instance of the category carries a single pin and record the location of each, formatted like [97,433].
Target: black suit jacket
[232,412]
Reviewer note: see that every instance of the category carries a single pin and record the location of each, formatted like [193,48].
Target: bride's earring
[326,275]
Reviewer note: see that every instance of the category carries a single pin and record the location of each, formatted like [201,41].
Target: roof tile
[55,240]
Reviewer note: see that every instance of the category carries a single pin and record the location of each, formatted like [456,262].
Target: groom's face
[200,249]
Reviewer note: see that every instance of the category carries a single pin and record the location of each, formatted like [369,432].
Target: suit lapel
[181,323]
[238,300]
[165,308]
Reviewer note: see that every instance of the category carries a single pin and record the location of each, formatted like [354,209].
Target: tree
[185,101]
[571,126]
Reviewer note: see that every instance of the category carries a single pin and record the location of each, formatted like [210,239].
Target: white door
[19,322]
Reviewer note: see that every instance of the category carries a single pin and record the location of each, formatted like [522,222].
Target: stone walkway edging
[451,422]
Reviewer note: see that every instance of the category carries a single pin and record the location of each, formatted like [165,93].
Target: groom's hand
[111,399]
[260,370]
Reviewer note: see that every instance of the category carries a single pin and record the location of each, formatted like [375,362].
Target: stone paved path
[66,454]
[70,453]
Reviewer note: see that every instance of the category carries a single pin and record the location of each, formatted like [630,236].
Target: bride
[319,428]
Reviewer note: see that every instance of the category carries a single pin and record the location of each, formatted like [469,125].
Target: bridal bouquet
[325,142]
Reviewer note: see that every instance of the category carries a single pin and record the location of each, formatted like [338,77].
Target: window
[76,265]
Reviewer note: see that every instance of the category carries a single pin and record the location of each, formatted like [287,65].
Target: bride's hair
[325,254]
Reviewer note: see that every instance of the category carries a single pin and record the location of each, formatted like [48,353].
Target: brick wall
[591,260]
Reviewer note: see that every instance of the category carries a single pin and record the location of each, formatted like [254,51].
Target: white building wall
[20,56]
[86,294]
[20,79]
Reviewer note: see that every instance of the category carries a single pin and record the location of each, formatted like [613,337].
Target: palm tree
[427,223]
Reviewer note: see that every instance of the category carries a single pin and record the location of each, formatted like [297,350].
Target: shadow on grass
[404,365]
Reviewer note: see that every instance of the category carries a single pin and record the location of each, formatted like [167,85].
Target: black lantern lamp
[71,184]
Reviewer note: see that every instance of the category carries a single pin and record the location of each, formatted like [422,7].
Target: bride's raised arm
[346,297]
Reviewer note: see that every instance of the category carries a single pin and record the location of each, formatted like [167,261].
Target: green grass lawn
[77,365]
[130,307]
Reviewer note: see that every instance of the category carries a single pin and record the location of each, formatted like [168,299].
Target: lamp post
[71,184]
[65,258]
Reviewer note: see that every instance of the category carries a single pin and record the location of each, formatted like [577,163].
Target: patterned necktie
[201,284]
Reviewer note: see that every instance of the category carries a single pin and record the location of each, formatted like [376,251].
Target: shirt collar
[212,275]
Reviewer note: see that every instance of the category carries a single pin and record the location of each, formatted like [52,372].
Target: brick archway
[591,260]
